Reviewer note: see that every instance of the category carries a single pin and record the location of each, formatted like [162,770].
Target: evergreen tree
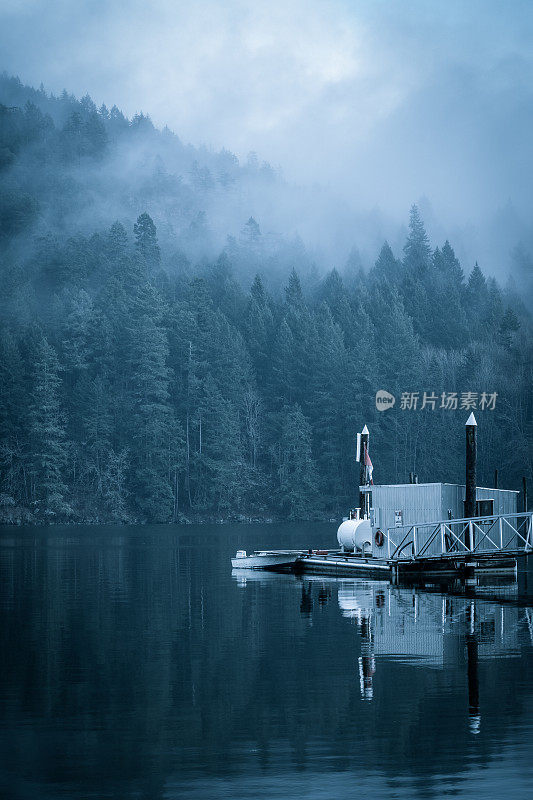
[508,328]
[251,232]
[219,462]
[257,291]
[293,290]
[417,250]
[13,410]
[477,301]
[283,365]
[146,240]
[117,242]
[297,473]
[449,265]
[258,329]
[98,430]
[386,268]
[152,420]
[48,445]
[416,265]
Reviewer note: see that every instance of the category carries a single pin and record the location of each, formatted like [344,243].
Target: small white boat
[265,559]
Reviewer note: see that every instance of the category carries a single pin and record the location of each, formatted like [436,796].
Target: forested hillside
[157,366]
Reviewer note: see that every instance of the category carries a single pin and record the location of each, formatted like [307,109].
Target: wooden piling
[470,477]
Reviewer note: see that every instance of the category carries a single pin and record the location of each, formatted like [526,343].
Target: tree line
[140,383]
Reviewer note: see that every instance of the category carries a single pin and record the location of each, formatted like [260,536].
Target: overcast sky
[383,101]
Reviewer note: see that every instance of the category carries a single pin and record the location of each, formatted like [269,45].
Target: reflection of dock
[438,631]
[437,627]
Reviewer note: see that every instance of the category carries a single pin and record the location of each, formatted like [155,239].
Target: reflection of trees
[122,661]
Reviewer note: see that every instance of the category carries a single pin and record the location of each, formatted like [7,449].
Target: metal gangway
[505,534]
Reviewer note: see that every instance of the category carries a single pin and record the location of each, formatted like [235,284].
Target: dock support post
[414,541]
[500,525]
[442,539]
[471,457]
[471,537]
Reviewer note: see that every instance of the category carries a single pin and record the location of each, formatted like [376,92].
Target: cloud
[380,101]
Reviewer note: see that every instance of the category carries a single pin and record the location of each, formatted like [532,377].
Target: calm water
[135,665]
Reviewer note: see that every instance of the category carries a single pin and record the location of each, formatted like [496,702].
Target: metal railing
[502,533]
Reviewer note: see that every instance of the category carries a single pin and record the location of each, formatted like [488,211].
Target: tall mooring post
[471,456]
[362,469]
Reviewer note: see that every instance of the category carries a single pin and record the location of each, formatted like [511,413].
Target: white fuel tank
[354,534]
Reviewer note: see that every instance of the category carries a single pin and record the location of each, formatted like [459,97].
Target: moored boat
[265,559]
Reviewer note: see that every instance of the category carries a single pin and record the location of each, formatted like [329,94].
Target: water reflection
[418,627]
[135,665]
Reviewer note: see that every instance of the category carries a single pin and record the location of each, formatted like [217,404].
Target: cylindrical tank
[354,534]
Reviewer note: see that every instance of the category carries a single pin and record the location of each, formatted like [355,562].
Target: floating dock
[461,548]
[416,531]
[336,563]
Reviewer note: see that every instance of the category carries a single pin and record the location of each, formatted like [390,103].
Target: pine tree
[257,291]
[146,241]
[117,242]
[447,325]
[417,250]
[98,430]
[477,286]
[221,473]
[297,473]
[151,422]
[293,291]
[416,277]
[386,268]
[114,482]
[251,233]
[338,393]
[450,266]
[258,329]
[47,428]
[13,410]
[476,301]
[283,365]
[508,328]
[95,135]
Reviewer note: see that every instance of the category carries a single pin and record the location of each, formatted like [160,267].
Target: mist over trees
[157,365]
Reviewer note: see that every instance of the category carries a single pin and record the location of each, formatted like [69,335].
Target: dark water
[134,665]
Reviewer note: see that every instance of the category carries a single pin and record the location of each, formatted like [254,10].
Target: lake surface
[134,664]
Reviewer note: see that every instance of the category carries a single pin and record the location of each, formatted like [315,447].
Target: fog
[364,107]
